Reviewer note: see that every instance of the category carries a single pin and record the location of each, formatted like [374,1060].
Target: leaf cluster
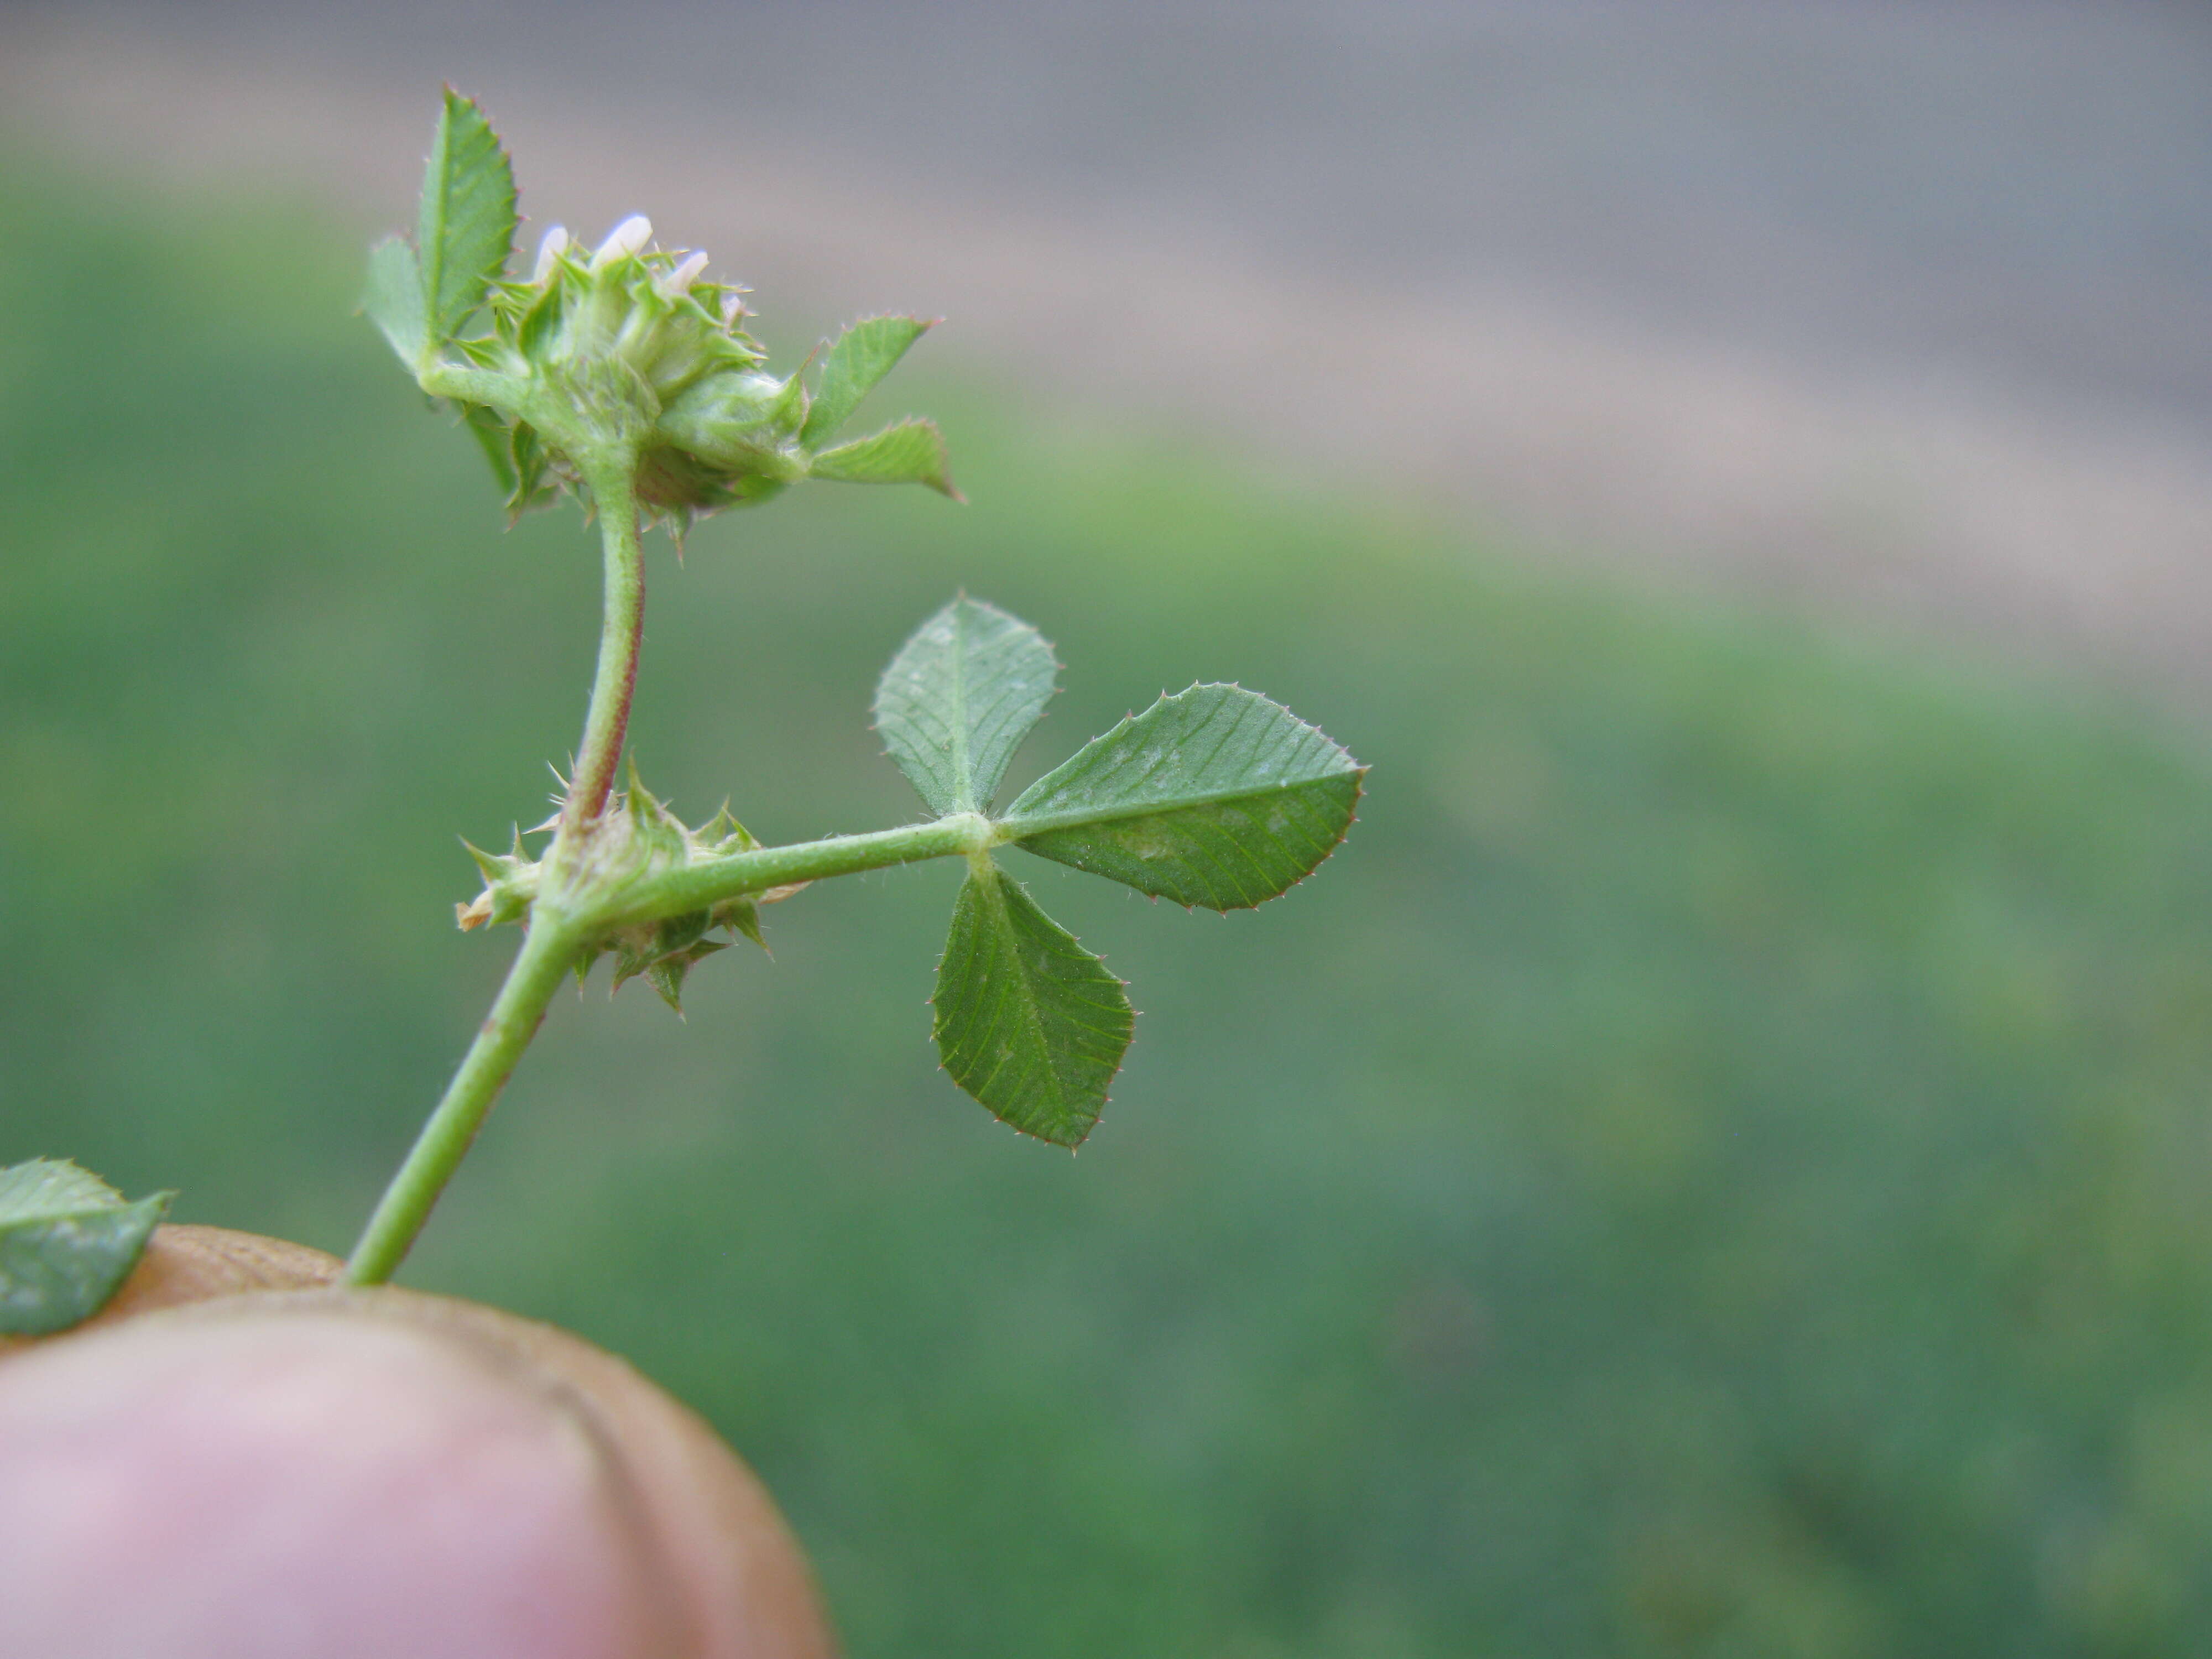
[1214,797]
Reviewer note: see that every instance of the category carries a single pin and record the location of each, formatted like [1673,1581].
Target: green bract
[622,355]
[637,839]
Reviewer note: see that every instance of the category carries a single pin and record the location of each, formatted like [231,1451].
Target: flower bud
[556,243]
[625,239]
[678,282]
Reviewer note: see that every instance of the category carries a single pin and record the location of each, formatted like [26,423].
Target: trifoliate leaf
[1028,1022]
[912,452]
[68,1240]
[860,357]
[1215,796]
[466,227]
[958,699]
[393,298]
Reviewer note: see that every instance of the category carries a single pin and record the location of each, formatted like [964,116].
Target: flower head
[621,361]
[647,351]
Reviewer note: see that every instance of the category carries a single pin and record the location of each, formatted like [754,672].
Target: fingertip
[230,1359]
[310,1481]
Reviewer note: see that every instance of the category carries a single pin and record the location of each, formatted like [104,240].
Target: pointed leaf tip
[1027,1022]
[957,700]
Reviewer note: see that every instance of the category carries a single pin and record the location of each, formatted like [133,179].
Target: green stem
[547,949]
[698,886]
[621,631]
[554,938]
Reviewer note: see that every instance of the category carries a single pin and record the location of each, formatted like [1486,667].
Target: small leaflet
[464,231]
[958,699]
[909,452]
[68,1241]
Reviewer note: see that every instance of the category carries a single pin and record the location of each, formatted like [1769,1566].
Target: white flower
[678,282]
[625,238]
[548,252]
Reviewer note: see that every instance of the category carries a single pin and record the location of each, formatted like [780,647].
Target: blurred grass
[1716,1167]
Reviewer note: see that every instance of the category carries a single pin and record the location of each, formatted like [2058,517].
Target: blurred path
[1900,310]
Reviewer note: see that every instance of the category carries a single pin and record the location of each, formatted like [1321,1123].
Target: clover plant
[622,375]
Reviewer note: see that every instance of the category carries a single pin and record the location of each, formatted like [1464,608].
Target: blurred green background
[1716,1166]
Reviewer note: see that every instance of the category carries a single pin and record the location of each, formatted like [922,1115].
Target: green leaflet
[393,297]
[1028,1022]
[68,1240]
[909,452]
[958,699]
[467,226]
[860,357]
[1214,796]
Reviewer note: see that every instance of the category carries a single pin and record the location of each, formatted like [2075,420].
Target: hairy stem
[621,631]
[554,938]
[547,949]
